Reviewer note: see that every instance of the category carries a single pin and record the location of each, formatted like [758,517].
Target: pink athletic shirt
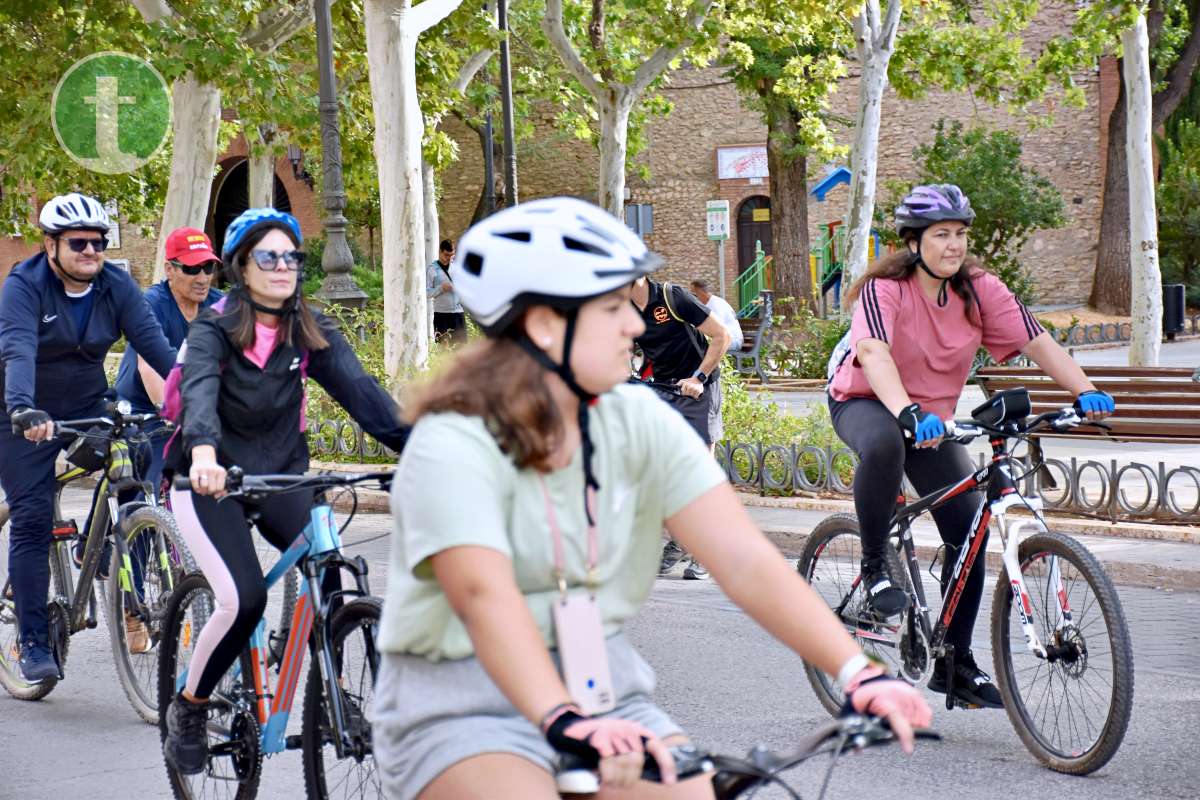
[933,347]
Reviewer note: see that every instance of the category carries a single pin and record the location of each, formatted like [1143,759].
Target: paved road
[727,682]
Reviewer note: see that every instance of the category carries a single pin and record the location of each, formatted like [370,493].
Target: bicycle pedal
[293,742]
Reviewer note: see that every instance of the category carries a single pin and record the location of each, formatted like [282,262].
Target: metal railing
[750,284]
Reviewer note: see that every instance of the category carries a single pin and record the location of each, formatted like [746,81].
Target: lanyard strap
[560,559]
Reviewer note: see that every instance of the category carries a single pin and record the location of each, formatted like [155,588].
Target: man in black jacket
[60,312]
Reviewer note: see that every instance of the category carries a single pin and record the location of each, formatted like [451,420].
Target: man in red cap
[190,264]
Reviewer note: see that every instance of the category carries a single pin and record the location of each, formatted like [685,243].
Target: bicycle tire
[1010,654]
[361,614]
[138,672]
[10,675]
[834,586]
[191,589]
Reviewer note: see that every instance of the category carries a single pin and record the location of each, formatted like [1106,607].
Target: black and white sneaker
[972,686]
[884,597]
[672,554]
[186,745]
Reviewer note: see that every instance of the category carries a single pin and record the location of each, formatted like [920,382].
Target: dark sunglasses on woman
[268,259]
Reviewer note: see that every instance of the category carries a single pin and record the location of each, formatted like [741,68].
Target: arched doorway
[232,197]
[753,225]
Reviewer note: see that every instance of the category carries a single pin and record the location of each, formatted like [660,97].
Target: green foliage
[804,351]
[368,279]
[1178,204]
[1011,200]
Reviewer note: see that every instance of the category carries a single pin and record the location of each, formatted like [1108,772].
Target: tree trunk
[615,107]
[789,209]
[261,176]
[429,197]
[196,118]
[1111,286]
[393,27]
[1146,305]
[876,41]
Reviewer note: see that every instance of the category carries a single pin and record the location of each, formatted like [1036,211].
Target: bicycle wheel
[235,751]
[10,670]
[353,644]
[830,562]
[158,561]
[1072,711]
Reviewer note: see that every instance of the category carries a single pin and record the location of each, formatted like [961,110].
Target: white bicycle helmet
[73,212]
[559,251]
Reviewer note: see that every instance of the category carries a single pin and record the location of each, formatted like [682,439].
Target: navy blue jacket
[162,303]
[45,362]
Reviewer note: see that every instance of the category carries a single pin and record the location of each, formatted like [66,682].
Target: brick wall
[709,113]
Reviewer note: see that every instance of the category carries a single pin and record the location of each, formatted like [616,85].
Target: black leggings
[218,534]
[883,459]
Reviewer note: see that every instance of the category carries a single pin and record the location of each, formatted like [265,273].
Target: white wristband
[851,668]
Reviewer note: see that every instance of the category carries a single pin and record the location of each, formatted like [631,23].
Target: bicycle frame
[1002,494]
[316,549]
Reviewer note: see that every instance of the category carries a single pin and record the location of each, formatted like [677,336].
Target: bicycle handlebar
[238,483]
[966,430]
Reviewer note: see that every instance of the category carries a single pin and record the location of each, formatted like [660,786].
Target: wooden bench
[749,360]
[1154,404]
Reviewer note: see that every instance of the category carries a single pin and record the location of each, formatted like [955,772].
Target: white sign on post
[718,219]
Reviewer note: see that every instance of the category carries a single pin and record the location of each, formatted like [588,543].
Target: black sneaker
[102,569]
[186,745]
[672,554]
[695,571]
[37,663]
[884,597]
[972,686]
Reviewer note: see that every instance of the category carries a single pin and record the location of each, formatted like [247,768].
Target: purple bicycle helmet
[938,202]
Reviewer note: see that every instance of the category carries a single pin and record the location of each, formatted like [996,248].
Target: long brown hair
[298,328]
[499,382]
[901,264]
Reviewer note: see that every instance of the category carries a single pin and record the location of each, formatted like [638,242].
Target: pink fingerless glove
[871,691]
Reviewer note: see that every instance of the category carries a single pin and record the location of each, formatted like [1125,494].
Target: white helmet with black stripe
[559,251]
[73,212]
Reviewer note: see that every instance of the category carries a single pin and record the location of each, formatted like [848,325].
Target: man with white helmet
[60,312]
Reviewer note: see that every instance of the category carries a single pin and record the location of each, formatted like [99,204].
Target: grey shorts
[429,716]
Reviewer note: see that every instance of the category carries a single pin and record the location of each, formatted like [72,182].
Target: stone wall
[708,113]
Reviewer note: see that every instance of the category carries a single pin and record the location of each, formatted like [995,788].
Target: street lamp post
[337,261]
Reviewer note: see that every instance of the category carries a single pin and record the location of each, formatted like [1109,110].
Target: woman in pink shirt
[923,313]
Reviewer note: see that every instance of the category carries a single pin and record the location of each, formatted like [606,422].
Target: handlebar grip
[182,483]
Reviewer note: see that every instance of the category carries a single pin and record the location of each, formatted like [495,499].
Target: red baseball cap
[189,246]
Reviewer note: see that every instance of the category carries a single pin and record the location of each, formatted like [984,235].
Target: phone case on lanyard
[582,650]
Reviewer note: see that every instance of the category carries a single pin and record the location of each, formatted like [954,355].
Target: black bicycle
[248,718]
[1060,644]
[735,777]
[147,559]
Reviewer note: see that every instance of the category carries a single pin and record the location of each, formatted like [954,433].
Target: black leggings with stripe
[884,457]
[219,536]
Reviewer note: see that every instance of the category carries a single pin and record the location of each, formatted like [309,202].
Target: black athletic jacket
[252,415]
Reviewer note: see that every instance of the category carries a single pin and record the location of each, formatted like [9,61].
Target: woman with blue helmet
[242,397]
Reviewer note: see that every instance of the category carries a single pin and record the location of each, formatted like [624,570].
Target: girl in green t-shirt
[529,505]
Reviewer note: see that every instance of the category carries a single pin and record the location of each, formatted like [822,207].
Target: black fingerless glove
[25,418]
[580,748]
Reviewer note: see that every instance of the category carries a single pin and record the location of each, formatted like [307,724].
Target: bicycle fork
[1010,534]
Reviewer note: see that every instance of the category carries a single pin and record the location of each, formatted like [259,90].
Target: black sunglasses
[268,259]
[80,244]
[207,268]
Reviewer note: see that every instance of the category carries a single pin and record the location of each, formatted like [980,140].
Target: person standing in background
[722,311]
[448,316]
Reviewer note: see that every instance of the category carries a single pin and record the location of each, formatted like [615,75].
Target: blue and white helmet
[559,251]
[73,212]
[253,219]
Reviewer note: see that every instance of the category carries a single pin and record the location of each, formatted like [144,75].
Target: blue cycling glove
[923,425]
[1095,401]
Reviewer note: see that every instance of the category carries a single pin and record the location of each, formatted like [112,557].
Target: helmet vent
[575,244]
[473,263]
[516,236]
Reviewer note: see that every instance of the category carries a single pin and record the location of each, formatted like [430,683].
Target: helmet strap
[586,398]
[61,269]
[943,295]
[282,311]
